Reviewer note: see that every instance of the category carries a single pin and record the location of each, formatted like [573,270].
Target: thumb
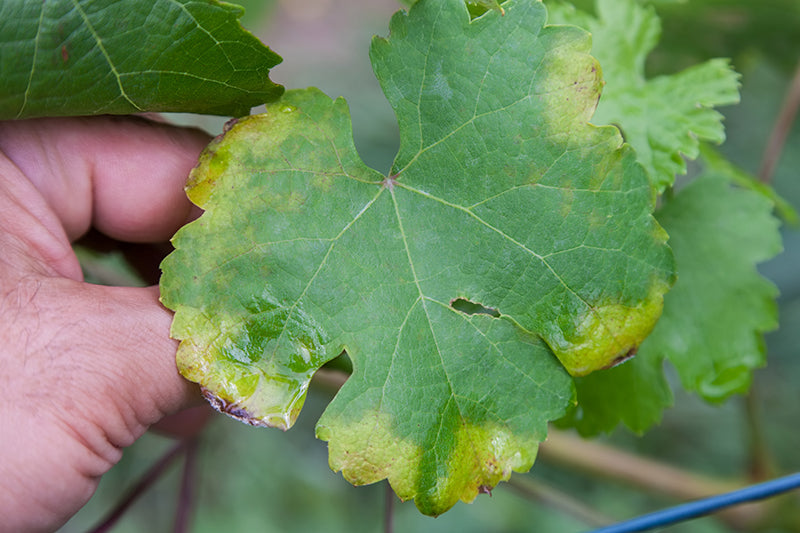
[110,347]
[93,368]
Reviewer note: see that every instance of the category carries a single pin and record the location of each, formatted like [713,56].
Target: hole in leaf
[472,308]
[341,362]
[332,375]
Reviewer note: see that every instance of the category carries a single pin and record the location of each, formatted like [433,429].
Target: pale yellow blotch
[254,394]
[485,455]
[226,150]
[285,203]
[367,452]
[607,335]
[324,182]
[574,80]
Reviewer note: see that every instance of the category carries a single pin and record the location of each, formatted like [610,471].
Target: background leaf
[718,233]
[501,195]
[665,117]
[78,57]
[741,29]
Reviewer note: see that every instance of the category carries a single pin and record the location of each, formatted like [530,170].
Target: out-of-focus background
[269,481]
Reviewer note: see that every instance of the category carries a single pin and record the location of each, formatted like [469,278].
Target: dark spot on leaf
[485,489]
[472,308]
[228,125]
[231,409]
[64,53]
[623,357]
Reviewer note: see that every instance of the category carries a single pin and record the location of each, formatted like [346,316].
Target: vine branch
[762,463]
[140,487]
[655,477]
[555,499]
[781,129]
[186,497]
[388,516]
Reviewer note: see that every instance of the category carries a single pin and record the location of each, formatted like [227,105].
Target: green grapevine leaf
[508,231]
[74,57]
[720,306]
[663,118]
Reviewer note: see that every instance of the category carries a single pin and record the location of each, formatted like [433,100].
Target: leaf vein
[33,62]
[423,298]
[321,265]
[104,52]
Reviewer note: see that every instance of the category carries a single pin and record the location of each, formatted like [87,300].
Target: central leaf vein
[423,299]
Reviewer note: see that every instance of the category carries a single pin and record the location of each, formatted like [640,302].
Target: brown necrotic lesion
[232,409]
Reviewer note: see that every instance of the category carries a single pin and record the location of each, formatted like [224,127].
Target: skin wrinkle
[33,218]
[101,441]
[80,361]
[23,297]
[20,306]
[85,369]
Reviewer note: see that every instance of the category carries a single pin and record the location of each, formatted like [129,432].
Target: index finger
[123,175]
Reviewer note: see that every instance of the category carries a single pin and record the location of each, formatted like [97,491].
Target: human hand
[84,369]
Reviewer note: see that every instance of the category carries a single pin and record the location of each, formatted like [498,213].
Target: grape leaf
[665,117]
[508,231]
[70,57]
[714,317]
[718,310]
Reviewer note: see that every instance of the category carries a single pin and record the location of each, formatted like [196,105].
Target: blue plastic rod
[688,511]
